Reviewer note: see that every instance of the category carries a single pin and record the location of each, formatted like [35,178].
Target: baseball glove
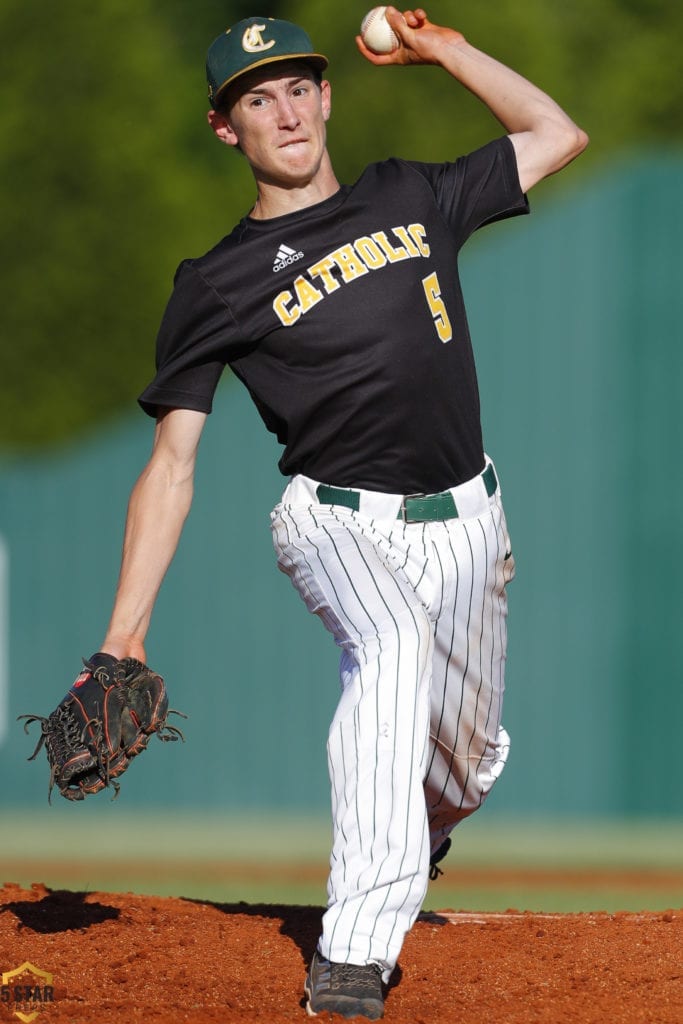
[104,721]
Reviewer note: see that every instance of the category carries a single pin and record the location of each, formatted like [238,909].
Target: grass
[552,867]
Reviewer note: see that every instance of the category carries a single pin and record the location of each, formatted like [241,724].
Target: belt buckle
[402,514]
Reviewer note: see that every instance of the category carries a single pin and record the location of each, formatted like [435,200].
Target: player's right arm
[544,137]
[158,507]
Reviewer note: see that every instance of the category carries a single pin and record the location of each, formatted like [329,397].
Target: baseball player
[339,308]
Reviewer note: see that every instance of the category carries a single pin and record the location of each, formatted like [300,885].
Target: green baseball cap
[251,43]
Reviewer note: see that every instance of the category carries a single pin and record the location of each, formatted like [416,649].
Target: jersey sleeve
[197,336]
[477,189]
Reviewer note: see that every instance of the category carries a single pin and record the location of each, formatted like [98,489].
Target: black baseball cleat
[437,856]
[351,990]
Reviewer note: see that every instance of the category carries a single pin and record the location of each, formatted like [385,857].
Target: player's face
[278,121]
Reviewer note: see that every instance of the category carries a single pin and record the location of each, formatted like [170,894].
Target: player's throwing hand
[420,40]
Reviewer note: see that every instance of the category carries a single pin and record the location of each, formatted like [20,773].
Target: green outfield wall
[576,315]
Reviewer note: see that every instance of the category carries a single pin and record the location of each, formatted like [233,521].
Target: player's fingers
[414,18]
[374,58]
[405,24]
[397,20]
[378,58]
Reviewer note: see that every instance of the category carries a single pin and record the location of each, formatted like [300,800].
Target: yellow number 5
[437,307]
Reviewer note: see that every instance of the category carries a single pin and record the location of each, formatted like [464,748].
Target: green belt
[415,508]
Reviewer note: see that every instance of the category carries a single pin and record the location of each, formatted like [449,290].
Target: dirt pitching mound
[110,958]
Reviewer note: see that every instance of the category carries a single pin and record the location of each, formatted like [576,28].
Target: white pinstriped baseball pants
[419,611]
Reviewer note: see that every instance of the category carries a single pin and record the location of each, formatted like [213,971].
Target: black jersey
[345,320]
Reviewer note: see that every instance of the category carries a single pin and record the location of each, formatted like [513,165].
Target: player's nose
[287,115]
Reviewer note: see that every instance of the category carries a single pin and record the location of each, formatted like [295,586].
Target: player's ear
[222,128]
[326,98]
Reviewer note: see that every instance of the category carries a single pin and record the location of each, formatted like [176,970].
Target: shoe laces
[363,976]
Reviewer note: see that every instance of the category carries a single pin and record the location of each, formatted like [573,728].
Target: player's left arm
[544,137]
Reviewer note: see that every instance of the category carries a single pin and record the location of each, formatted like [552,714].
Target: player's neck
[275,199]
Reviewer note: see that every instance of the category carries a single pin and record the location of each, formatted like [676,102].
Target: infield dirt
[121,957]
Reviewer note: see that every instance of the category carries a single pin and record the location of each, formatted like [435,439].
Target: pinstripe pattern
[415,745]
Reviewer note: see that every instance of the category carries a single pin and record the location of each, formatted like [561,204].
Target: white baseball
[377,33]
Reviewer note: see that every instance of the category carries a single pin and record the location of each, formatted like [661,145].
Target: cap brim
[318,60]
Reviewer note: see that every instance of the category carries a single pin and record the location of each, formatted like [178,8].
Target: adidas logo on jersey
[284,257]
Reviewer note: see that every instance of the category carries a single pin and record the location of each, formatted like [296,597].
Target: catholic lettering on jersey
[346,322]
[348,263]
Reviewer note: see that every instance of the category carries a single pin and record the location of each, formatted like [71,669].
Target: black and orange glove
[103,722]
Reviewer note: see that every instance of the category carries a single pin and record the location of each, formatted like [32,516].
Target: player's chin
[298,163]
